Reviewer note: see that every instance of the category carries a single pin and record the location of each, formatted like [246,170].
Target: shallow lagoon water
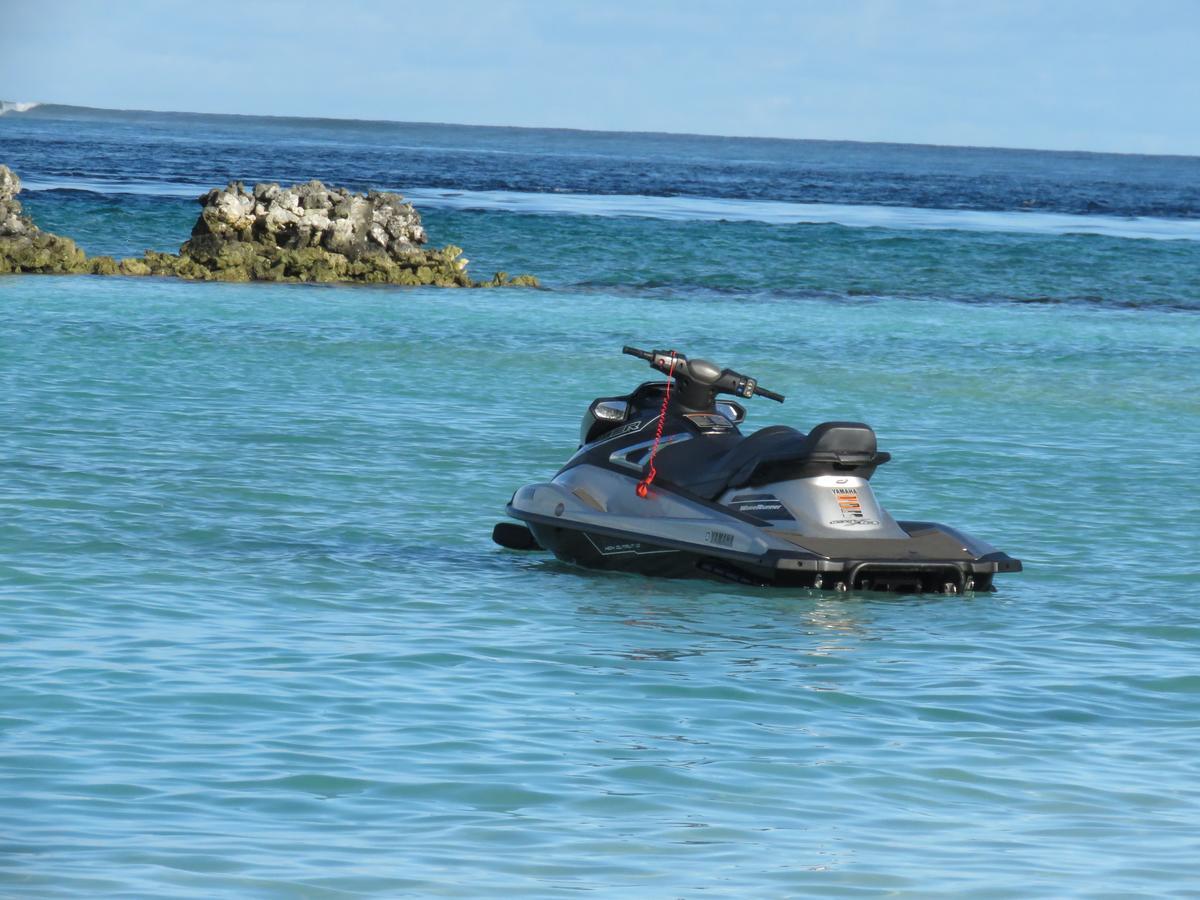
[257,642]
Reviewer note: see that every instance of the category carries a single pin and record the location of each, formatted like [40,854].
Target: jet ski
[665,483]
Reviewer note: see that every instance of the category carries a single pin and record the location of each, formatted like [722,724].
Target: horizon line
[694,134]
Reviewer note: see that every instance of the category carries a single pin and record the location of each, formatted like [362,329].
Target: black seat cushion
[709,475]
[844,442]
[832,448]
[777,453]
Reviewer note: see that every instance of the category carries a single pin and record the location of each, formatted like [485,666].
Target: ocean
[257,642]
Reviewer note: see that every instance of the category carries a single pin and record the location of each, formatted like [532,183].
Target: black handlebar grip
[640,354]
[770,395]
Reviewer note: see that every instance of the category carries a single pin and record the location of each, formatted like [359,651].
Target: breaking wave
[770,212]
[775,212]
[7,106]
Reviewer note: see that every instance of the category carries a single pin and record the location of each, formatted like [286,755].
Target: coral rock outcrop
[306,232]
[26,248]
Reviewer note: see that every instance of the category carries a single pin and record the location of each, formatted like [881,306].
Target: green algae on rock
[302,233]
[26,248]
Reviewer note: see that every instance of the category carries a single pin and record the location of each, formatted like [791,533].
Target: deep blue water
[189,149]
[256,640]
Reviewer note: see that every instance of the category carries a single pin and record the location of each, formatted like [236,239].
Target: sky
[1105,75]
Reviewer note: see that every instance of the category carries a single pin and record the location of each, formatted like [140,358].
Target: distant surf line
[715,209]
[17,106]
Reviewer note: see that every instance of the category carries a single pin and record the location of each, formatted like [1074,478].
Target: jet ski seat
[780,453]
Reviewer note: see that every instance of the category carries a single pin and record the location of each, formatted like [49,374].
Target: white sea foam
[774,212]
[715,209]
[7,106]
[95,186]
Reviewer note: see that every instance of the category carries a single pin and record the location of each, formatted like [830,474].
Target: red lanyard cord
[643,486]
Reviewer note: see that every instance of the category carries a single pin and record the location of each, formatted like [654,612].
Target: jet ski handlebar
[700,380]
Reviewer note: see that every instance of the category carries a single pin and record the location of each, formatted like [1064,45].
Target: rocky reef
[26,248]
[305,232]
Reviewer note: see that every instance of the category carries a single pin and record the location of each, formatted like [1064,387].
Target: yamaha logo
[720,538]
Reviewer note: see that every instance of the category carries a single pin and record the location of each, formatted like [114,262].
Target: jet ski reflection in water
[664,483]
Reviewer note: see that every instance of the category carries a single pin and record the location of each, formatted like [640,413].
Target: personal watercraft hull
[675,534]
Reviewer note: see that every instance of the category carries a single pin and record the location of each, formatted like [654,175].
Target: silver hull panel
[824,531]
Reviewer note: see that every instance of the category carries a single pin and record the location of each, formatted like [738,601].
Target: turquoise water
[256,640]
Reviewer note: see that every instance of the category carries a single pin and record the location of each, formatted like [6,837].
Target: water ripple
[257,641]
